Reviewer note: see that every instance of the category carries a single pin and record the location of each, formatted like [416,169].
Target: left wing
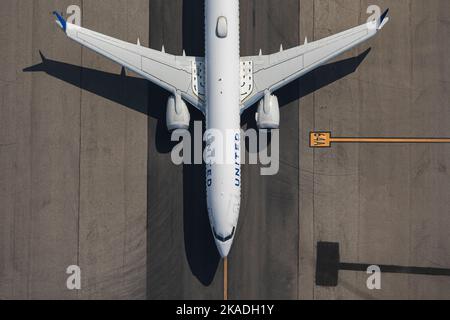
[177,74]
[271,72]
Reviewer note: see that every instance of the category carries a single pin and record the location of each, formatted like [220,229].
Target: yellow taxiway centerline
[324,140]
[225,279]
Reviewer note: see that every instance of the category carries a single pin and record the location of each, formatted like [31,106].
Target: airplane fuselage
[222,61]
[219,96]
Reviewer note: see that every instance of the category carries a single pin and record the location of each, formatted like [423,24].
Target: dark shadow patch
[131,92]
[328,265]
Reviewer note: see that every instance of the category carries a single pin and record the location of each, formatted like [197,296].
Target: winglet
[61,21]
[383,19]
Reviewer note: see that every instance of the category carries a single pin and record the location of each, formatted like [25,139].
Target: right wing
[271,72]
[176,74]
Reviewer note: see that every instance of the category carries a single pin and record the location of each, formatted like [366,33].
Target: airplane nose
[224,248]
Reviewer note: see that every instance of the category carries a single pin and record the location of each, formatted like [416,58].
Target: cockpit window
[224,239]
[222,27]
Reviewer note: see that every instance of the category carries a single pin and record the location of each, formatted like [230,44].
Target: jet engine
[268,115]
[177,116]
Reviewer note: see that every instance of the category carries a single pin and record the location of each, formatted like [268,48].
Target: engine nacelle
[268,115]
[177,116]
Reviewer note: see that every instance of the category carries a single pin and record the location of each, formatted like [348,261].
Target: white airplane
[222,85]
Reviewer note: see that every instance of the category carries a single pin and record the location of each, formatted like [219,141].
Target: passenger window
[222,27]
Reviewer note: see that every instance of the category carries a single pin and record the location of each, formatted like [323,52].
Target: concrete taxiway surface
[86,177]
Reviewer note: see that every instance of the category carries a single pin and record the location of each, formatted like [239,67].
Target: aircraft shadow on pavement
[135,93]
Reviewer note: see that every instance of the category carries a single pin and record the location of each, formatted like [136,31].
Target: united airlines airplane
[222,85]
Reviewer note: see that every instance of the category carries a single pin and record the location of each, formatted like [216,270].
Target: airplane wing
[176,74]
[271,72]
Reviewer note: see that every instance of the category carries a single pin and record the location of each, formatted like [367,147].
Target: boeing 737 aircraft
[222,85]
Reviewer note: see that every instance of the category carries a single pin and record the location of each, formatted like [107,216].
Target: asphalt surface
[86,177]
[73,162]
[384,204]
